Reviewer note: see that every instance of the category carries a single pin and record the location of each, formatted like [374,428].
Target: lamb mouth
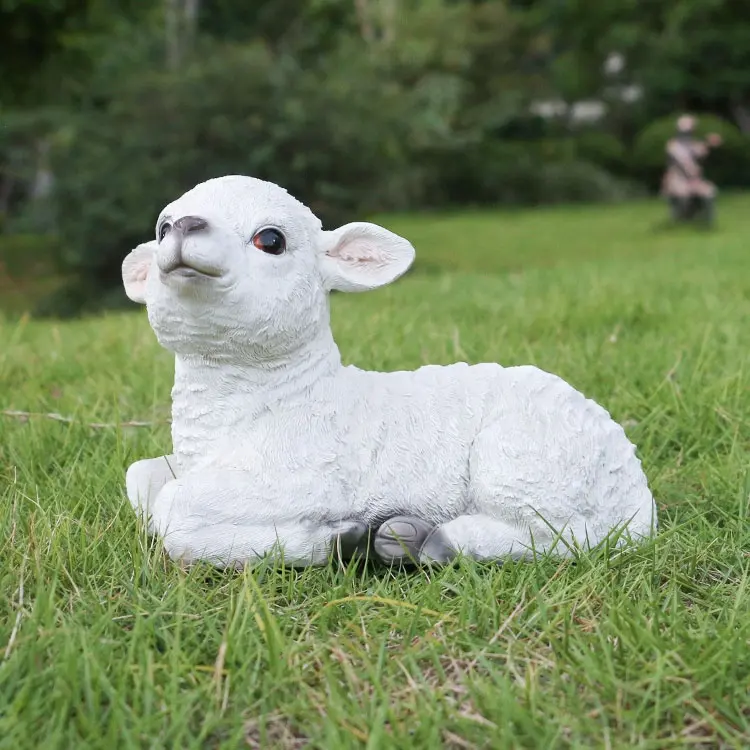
[182,270]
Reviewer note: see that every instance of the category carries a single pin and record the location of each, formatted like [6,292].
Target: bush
[337,141]
[583,182]
[28,255]
[529,172]
[603,149]
[728,165]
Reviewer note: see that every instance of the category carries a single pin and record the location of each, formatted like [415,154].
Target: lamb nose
[190,224]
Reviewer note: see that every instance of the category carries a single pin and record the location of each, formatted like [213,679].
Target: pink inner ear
[359,252]
[142,271]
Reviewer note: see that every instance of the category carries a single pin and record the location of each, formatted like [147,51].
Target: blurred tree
[180,19]
[689,54]
[697,57]
[45,45]
[337,137]
[111,107]
[51,52]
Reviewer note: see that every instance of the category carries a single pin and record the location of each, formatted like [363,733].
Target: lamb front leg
[145,479]
[217,517]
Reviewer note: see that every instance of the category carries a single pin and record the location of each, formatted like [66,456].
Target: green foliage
[360,128]
[683,53]
[583,182]
[355,106]
[29,270]
[529,172]
[603,149]
[241,110]
[24,255]
[694,53]
[728,165]
[45,45]
[107,644]
[23,135]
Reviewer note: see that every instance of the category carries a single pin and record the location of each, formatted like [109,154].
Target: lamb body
[276,444]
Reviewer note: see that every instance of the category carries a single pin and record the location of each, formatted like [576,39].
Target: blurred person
[683,183]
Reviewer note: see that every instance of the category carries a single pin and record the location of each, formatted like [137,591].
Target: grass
[104,643]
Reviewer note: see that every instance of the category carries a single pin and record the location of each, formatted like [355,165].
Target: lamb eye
[270,241]
[164,230]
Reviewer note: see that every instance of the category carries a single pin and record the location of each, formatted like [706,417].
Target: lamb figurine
[278,447]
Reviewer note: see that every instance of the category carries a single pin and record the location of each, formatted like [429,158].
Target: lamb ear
[362,256]
[135,271]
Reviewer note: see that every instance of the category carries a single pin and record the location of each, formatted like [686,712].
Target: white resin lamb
[277,446]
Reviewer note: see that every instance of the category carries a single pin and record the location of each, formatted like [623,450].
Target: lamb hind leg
[479,537]
[408,539]
[400,539]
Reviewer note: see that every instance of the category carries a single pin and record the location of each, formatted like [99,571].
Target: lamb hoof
[436,549]
[400,539]
[353,537]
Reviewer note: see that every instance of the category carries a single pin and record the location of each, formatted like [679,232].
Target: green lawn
[104,643]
